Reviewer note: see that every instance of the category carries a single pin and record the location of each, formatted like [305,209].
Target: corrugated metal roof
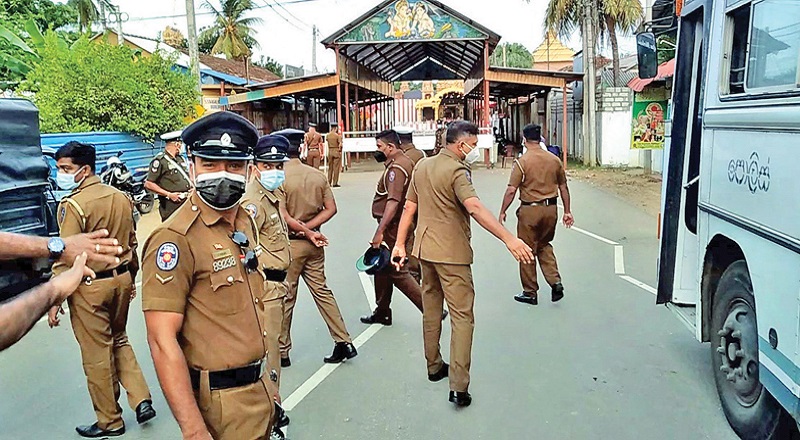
[665,71]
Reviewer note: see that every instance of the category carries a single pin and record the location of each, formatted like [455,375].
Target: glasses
[249,257]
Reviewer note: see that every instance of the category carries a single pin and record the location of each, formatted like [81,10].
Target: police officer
[309,200]
[169,176]
[203,290]
[334,140]
[539,177]
[441,192]
[406,136]
[313,142]
[99,308]
[387,210]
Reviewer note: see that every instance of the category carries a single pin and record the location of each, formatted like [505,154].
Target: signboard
[408,20]
[649,109]
[211,104]
[293,72]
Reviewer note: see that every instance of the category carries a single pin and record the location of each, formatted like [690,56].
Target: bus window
[738,26]
[774,45]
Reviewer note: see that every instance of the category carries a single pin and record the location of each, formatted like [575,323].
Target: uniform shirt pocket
[229,294]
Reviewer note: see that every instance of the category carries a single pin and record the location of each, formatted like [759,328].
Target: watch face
[55,245]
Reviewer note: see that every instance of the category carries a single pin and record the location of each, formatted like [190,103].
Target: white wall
[615,138]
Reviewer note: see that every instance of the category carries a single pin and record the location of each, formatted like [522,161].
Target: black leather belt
[233,378]
[111,273]
[278,276]
[545,202]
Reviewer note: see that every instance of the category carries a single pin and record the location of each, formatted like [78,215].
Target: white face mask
[473,155]
[67,181]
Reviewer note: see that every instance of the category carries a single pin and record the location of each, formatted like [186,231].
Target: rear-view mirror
[647,55]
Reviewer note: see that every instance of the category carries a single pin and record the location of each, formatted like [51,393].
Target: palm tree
[232,29]
[512,55]
[613,17]
[87,13]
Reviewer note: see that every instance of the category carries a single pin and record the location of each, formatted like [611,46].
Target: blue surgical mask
[67,181]
[272,179]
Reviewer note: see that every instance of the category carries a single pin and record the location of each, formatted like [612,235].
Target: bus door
[678,275]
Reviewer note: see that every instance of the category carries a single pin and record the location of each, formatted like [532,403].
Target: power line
[281,15]
[290,13]
[162,17]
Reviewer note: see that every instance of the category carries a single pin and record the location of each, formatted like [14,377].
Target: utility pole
[191,25]
[103,17]
[120,35]
[590,86]
[314,33]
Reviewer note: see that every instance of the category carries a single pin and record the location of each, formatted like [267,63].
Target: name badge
[218,255]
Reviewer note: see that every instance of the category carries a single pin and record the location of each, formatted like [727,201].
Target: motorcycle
[117,175]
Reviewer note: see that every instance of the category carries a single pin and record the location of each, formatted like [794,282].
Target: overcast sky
[286,33]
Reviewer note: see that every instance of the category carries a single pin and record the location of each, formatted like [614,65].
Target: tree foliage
[516,55]
[232,32]
[270,64]
[95,86]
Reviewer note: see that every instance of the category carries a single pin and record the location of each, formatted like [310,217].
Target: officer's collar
[448,152]
[209,215]
[89,181]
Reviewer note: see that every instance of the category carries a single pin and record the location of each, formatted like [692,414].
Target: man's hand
[203,435]
[173,197]
[502,217]
[318,239]
[568,219]
[521,251]
[377,239]
[66,283]
[133,291]
[399,257]
[95,245]
[52,316]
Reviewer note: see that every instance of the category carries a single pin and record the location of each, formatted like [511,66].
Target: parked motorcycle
[116,174]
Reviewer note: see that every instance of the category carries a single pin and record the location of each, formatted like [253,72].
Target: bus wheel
[750,409]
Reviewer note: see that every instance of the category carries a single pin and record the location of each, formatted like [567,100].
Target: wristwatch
[56,247]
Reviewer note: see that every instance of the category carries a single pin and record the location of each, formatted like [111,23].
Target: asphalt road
[605,363]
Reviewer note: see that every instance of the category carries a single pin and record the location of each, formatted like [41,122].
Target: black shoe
[283,420]
[94,431]
[145,411]
[460,398]
[444,314]
[441,374]
[375,319]
[341,351]
[527,299]
[337,186]
[558,292]
[286,362]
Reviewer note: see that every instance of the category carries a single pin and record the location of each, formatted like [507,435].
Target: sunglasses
[249,258]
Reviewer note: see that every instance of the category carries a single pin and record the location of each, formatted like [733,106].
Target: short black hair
[81,154]
[460,128]
[532,132]
[294,151]
[389,137]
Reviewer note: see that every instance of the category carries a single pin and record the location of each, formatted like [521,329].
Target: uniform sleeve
[517,176]
[69,224]
[327,192]
[396,182]
[462,185]
[411,195]
[155,171]
[167,272]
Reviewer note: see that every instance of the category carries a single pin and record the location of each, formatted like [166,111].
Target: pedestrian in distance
[168,176]
[441,192]
[313,145]
[99,308]
[203,290]
[334,140]
[539,177]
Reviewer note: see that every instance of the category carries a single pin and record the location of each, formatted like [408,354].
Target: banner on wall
[649,109]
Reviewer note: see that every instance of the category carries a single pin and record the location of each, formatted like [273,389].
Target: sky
[286,34]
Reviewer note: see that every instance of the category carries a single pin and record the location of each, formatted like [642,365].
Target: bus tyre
[751,411]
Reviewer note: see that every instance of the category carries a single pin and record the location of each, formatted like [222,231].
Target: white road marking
[320,375]
[619,260]
[595,236]
[639,284]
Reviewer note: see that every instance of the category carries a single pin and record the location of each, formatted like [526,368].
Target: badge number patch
[469,176]
[167,257]
[223,264]
[251,209]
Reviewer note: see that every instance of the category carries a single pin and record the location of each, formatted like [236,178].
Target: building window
[774,45]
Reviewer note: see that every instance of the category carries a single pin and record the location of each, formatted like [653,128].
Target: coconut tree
[232,29]
[614,17]
[87,13]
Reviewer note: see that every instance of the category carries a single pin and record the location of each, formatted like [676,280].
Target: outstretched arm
[521,251]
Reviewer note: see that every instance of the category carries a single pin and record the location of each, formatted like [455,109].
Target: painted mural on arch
[406,20]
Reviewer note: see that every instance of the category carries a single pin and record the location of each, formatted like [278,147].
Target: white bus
[729,262]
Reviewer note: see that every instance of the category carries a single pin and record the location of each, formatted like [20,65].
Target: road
[605,363]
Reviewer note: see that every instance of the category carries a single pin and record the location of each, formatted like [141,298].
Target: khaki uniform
[413,153]
[172,174]
[192,267]
[264,207]
[439,187]
[537,174]
[99,310]
[441,140]
[334,157]
[306,192]
[313,144]
[393,185]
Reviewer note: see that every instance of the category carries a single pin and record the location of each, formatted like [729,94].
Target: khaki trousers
[451,283]
[413,262]
[308,261]
[334,167]
[99,315]
[389,278]
[273,307]
[536,226]
[314,158]
[243,413]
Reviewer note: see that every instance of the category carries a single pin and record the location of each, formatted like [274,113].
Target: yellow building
[552,54]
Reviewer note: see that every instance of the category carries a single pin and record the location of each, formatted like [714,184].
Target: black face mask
[221,190]
[380,156]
